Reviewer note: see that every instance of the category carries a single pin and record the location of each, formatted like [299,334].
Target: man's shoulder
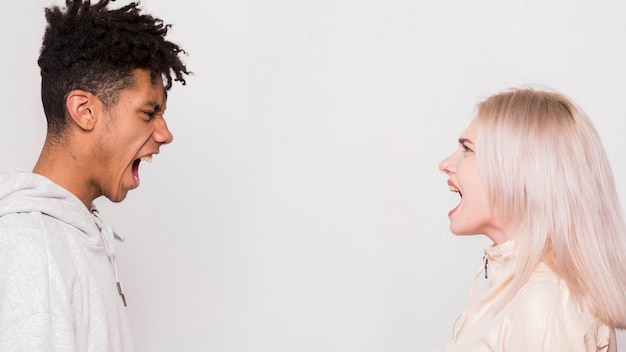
[33,228]
[21,222]
[22,234]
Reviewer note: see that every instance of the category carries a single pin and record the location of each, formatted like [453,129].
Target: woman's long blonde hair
[545,168]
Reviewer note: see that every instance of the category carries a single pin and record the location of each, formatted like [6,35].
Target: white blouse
[542,316]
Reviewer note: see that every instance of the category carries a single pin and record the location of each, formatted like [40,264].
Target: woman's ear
[80,107]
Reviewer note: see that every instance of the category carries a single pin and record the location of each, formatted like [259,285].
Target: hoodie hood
[28,192]
[25,192]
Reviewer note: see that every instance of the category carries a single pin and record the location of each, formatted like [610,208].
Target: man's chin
[116,198]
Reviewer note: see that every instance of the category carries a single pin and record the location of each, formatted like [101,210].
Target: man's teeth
[147,158]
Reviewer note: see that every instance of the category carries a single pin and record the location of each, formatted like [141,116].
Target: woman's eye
[466,149]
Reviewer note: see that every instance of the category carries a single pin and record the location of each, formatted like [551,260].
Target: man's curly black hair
[96,49]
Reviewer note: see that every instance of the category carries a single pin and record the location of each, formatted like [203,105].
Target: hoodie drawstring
[108,237]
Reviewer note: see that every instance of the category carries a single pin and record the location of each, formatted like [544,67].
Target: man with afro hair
[105,74]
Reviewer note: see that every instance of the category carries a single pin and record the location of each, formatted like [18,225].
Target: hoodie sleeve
[31,294]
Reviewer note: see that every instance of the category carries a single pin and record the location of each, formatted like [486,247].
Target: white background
[300,207]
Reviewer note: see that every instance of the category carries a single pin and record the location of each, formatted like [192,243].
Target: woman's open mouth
[454,189]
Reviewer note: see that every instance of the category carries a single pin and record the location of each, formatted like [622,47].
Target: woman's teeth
[147,158]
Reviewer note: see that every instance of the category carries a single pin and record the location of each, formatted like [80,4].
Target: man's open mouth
[147,158]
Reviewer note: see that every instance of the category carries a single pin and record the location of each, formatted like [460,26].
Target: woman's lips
[455,189]
[453,210]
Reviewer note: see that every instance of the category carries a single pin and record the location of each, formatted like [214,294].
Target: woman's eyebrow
[465,140]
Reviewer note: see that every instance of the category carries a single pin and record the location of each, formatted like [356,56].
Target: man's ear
[81,106]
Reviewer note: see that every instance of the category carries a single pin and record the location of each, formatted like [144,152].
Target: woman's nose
[445,165]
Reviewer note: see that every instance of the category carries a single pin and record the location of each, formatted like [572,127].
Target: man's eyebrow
[153,104]
[465,141]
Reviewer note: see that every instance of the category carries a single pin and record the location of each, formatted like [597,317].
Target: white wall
[300,207]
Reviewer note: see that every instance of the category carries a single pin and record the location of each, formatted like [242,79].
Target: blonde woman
[533,177]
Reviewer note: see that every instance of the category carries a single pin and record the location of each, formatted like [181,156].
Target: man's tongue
[136,170]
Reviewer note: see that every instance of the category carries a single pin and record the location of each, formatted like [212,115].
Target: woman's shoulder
[545,288]
[546,308]
[546,296]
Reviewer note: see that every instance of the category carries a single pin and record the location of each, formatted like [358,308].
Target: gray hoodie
[59,285]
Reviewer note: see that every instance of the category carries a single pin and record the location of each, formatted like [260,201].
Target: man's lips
[146,158]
